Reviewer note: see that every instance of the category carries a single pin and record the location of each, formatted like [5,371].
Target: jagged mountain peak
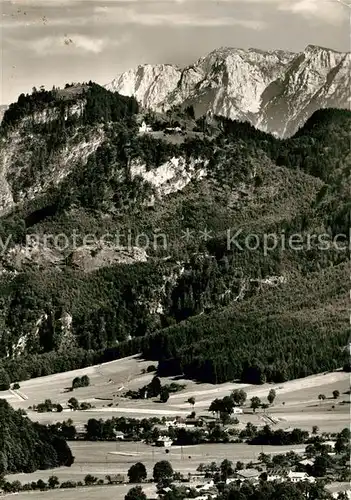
[275,90]
[149,83]
[319,48]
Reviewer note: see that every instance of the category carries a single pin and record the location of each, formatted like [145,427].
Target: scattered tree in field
[239,465]
[154,388]
[226,469]
[53,482]
[73,403]
[315,429]
[80,382]
[216,406]
[164,396]
[41,485]
[336,394]
[151,368]
[135,493]
[321,397]
[163,471]
[89,480]
[137,473]
[255,403]
[16,386]
[225,405]
[191,401]
[239,397]
[271,396]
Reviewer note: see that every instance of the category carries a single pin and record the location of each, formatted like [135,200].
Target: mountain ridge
[275,90]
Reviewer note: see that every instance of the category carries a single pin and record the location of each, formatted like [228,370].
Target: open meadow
[296,405]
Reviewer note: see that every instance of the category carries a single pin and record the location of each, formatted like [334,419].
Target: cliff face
[276,91]
[28,168]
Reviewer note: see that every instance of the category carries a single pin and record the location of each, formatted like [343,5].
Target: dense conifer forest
[26,446]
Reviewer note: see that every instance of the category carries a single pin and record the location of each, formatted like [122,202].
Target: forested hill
[73,162]
[26,446]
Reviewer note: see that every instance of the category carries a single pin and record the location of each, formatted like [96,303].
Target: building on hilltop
[144,128]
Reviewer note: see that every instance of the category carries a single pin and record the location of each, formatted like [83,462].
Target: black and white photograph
[175,204]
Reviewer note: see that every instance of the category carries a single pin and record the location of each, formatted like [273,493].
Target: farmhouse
[182,423]
[119,435]
[164,441]
[248,475]
[237,411]
[296,477]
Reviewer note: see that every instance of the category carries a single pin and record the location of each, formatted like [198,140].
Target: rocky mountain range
[276,91]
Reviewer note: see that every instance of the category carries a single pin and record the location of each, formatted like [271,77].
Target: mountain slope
[171,199]
[276,91]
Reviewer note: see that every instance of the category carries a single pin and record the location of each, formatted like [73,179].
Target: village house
[297,477]
[277,475]
[251,475]
[182,423]
[237,411]
[119,435]
[164,441]
[206,486]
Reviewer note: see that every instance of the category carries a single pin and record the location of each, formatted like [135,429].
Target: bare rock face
[91,258]
[277,91]
[170,177]
[149,84]
[22,145]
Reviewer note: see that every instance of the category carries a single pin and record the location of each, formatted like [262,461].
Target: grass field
[296,405]
[101,458]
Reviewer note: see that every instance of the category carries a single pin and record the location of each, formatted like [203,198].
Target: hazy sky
[50,42]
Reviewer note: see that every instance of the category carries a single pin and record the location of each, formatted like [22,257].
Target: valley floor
[296,405]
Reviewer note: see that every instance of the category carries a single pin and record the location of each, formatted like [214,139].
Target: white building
[238,411]
[119,435]
[164,441]
[296,477]
[144,128]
